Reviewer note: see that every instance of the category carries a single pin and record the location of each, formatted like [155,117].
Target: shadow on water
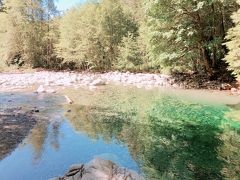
[14,127]
[173,139]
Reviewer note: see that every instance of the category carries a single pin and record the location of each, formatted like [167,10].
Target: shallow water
[162,134]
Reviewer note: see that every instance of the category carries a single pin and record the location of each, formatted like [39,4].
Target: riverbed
[159,132]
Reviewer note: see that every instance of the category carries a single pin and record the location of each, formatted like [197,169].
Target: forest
[167,36]
[119,89]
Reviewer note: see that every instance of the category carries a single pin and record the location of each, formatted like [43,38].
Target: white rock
[175,85]
[98,82]
[69,101]
[41,89]
[234,90]
[226,86]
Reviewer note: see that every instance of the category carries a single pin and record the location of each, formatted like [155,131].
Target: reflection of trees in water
[188,140]
[96,121]
[235,112]
[54,135]
[230,153]
[38,137]
[43,133]
[175,139]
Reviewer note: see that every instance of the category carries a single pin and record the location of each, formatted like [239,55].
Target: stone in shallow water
[99,169]
[41,89]
[69,101]
[98,82]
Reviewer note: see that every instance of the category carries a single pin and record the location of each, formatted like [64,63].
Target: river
[159,133]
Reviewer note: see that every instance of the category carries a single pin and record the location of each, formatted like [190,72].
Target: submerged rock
[41,89]
[99,169]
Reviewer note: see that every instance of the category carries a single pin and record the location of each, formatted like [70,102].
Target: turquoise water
[161,134]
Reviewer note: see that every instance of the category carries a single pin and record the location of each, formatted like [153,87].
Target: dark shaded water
[161,134]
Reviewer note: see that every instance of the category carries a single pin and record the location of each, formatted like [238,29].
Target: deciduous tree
[233,57]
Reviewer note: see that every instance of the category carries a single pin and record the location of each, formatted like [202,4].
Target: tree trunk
[206,60]
[214,58]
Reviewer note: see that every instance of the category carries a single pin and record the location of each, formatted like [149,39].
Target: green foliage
[90,34]
[78,36]
[133,35]
[233,57]
[130,57]
[11,32]
[25,32]
[189,33]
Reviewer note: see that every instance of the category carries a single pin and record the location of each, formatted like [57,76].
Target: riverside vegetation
[196,37]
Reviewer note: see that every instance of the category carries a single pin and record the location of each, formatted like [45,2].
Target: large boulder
[99,169]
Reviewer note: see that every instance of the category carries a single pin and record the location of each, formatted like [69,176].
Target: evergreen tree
[189,34]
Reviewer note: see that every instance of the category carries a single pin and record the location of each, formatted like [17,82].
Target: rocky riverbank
[51,82]
[75,80]
[99,169]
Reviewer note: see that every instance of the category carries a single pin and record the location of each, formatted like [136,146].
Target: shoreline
[81,79]
[51,82]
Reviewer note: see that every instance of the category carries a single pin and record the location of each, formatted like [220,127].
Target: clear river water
[161,134]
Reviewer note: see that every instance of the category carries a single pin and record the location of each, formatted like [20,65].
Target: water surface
[161,134]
